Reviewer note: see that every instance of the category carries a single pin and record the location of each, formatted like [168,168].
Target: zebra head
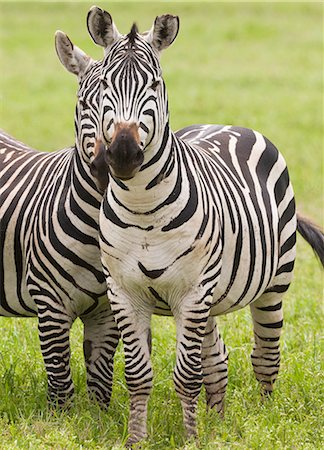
[88,72]
[134,107]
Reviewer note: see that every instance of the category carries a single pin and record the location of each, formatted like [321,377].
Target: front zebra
[49,253]
[202,222]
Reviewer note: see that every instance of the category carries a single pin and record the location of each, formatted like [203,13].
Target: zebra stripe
[49,254]
[202,222]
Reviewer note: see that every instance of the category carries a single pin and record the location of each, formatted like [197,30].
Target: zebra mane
[132,34]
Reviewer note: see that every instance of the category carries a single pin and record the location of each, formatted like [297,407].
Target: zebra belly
[17,301]
[242,282]
[77,288]
[11,304]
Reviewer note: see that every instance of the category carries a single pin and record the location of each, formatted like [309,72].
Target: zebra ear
[101,27]
[163,32]
[72,57]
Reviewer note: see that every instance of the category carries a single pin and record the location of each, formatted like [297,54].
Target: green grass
[257,65]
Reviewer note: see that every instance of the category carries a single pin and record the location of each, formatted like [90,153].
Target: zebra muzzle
[124,156]
[99,167]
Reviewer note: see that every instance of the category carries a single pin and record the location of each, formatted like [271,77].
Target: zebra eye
[83,103]
[155,85]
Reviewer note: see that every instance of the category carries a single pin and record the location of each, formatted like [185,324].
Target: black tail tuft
[313,235]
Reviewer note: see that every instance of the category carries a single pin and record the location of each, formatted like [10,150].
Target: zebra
[49,254]
[201,222]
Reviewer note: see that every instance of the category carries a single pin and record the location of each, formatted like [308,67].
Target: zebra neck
[83,184]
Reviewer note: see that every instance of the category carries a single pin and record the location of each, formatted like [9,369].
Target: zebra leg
[139,376]
[188,373]
[267,318]
[101,337]
[214,366]
[54,326]
[134,326]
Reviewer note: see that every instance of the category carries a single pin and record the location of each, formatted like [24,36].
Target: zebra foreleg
[214,366]
[267,318]
[101,337]
[54,333]
[134,325]
[188,373]
[139,376]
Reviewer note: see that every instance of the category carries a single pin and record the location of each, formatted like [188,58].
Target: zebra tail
[313,235]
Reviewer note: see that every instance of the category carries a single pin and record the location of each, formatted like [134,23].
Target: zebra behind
[49,254]
[202,222]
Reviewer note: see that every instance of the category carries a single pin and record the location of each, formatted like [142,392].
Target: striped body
[49,254]
[48,229]
[188,233]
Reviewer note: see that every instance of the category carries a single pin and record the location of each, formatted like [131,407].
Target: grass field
[257,65]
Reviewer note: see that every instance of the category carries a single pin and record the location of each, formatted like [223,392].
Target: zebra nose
[124,155]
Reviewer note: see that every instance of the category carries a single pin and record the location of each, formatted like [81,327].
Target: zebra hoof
[265,395]
[266,390]
[60,400]
[133,444]
[103,400]
[216,401]
[191,436]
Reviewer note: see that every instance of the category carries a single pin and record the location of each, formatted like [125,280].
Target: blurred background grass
[257,65]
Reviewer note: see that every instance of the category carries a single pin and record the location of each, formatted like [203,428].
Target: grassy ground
[256,65]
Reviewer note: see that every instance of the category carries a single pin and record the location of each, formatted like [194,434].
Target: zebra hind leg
[214,366]
[267,318]
[101,337]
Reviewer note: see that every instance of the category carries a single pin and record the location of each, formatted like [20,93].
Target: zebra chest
[153,266]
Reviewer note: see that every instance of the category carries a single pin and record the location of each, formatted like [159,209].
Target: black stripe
[151,273]
[272,325]
[191,205]
[276,307]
